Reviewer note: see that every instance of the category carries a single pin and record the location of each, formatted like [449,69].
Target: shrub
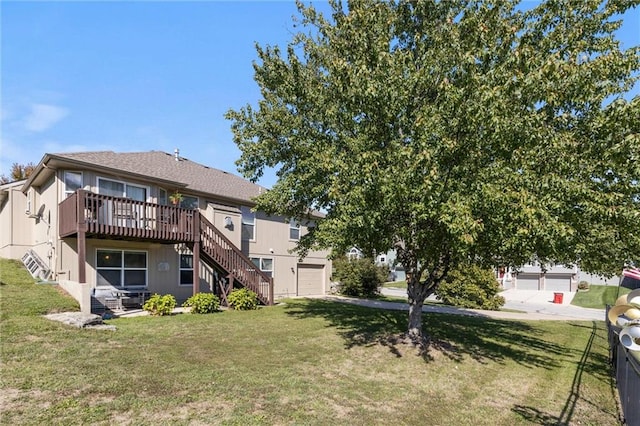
[203,303]
[160,305]
[359,277]
[471,286]
[242,299]
[583,285]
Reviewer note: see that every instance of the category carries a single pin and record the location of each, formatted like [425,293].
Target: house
[534,276]
[102,224]
[531,276]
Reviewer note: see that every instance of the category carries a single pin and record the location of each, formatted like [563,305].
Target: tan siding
[217,217]
[16,232]
[272,241]
[67,260]
[44,227]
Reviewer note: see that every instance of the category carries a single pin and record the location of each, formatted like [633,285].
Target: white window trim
[122,268]
[166,196]
[180,269]
[294,224]
[260,259]
[64,181]
[125,183]
[244,209]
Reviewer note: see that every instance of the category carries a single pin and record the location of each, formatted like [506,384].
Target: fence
[627,374]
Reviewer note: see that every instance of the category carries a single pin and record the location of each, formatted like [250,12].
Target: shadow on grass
[535,416]
[591,363]
[455,336]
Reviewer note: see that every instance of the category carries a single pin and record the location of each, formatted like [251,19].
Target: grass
[303,362]
[395,299]
[395,284]
[598,296]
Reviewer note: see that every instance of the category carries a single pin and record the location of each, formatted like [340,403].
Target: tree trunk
[415,321]
[417,292]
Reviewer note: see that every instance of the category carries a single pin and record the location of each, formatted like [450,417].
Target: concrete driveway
[532,305]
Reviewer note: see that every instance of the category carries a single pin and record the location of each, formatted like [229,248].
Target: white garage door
[527,281]
[310,280]
[557,282]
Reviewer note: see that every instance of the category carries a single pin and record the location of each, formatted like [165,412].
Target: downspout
[13,206]
[58,244]
[81,233]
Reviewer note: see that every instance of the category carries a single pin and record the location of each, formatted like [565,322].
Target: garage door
[557,282]
[310,279]
[527,281]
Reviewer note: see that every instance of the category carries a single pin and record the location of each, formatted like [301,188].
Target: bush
[160,305]
[203,303]
[471,286]
[242,299]
[583,285]
[358,277]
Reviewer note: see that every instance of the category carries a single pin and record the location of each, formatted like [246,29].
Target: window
[294,230]
[121,268]
[72,182]
[186,269]
[265,264]
[189,202]
[248,224]
[110,187]
[122,189]
[162,196]
[137,193]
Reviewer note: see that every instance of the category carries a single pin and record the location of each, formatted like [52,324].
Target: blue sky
[139,76]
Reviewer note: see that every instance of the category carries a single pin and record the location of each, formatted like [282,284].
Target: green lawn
[395,284]
[303,362]
[598,296]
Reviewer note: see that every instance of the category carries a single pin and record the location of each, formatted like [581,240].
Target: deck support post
[226,289]
[82,239]
[271,295]
[196,253]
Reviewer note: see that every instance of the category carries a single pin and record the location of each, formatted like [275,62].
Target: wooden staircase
[219,252]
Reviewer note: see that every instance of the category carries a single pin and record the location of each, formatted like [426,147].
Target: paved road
[532,305]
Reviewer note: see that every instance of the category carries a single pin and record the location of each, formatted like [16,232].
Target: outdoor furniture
[132,297]
[107,298]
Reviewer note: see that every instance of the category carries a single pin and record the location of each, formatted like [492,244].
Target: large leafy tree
[453,131]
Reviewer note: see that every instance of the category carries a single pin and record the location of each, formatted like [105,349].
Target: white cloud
[55,147]
[43,116]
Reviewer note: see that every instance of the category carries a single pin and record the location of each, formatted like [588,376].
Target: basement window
[121,268]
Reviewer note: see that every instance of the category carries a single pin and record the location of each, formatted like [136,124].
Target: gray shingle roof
[161,165]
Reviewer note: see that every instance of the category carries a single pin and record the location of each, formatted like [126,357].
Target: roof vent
[177,154]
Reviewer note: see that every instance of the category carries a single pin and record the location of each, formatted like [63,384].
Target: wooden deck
[123,218]
[88,215]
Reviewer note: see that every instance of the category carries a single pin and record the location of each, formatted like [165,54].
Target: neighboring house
[550,278]
[104,223]
[388,259]
[531,276]
[534,277]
